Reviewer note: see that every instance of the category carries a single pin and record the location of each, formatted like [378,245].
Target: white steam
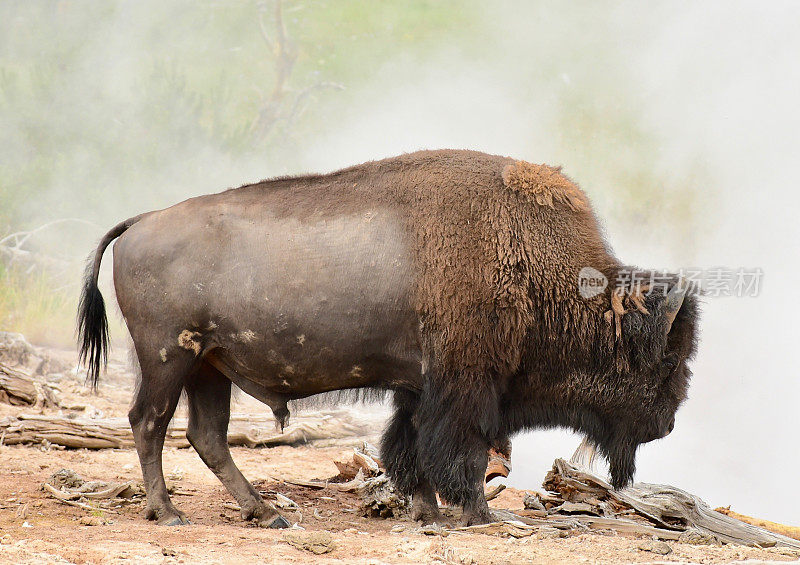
[695,102]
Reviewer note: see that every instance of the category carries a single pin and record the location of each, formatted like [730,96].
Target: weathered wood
[250,431]
[495,492]
[16,388]
[516,525]
[666,507]
[66,499]
[365,458]
[783,529]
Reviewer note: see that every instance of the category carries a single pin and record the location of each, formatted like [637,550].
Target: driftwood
[250,431]
[789,531]
[581,501]
[22,367]
[12,249]
[69,501]
[364,475]
[499,464]
[20,389]
[365,459]
[71,489]
[578,501]
[495,492]
[379,498]
[659,510]
[16,388]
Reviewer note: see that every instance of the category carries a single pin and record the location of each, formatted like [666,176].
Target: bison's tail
[92,321]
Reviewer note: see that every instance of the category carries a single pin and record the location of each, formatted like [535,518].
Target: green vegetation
[109,108]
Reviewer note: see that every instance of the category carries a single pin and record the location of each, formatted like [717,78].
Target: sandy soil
[35,528]
[54,534]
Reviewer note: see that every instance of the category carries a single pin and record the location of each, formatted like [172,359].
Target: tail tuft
[92,321]
[92,328]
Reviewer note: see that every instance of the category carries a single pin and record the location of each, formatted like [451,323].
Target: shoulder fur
[546,184]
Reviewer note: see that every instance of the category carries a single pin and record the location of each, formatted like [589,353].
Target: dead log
[495,492]
[499,465]
[783,529]
[16,388]
[379,498]
[366,459]
[249,431]
[19,388]
[666,508]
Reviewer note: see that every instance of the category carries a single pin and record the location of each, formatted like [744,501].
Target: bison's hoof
[476,519]
[278,523]
[429,516]
[166,515]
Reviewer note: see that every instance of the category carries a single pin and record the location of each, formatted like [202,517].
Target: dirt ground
[36,528]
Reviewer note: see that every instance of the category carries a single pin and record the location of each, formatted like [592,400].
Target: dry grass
[37,305]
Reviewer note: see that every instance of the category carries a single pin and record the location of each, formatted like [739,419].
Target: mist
[678,119]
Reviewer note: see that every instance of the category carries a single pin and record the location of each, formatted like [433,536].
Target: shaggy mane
[546,184]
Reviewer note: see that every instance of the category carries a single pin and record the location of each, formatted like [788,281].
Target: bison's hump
[545,184]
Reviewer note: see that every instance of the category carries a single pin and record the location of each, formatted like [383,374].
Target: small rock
[532,502]
[658,547]
[91,521]
[433,530]
[788,551]
[65,479]
[398,528]
[696,537]
[165,551]
[93,412]
[546,532]
[317,543]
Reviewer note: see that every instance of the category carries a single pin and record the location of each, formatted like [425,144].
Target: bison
[448,279]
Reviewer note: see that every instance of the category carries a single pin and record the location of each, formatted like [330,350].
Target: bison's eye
[670,361]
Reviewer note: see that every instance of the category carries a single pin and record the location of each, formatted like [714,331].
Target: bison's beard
[621,457]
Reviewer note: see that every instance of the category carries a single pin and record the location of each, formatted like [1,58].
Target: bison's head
[648,379]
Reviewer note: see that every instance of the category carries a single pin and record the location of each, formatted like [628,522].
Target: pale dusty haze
[680,120]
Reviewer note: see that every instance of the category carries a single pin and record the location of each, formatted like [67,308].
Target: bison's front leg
[454,453]
[209,394]
[476,509]
[400,454]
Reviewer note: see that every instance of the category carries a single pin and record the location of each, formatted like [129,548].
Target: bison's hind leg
[399,452]
[209,394]
[156,398]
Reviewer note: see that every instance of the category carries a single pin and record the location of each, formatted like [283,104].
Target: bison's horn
[674,302]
